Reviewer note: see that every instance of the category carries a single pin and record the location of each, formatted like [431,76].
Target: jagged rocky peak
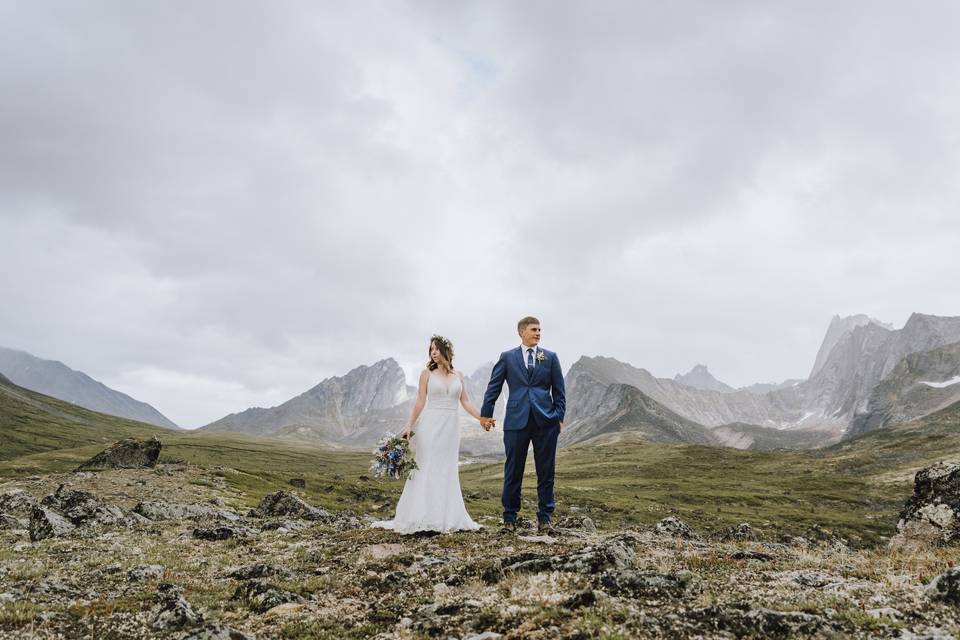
[840,326]
[377,386]
[609,370]
[700,378]
[922,332]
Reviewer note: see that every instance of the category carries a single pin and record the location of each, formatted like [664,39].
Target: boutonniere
[541,356]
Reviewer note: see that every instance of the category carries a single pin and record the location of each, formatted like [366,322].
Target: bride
[431,498]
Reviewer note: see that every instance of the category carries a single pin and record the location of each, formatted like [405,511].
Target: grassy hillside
[31,422]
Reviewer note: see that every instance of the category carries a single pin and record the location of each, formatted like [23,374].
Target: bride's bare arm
[465,400]
[419,404]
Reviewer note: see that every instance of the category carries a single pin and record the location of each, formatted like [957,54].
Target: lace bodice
[441,394]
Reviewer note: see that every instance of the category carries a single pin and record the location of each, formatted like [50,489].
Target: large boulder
[17,502]
[946,586]
[172,611]
[129,453]
[45,523]
[217,631]
[931,516]
[607,555]
[284,503]
[675,528]
[75,505]
[83,509]
[262,596]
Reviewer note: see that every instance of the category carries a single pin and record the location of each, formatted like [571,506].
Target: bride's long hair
[445,347]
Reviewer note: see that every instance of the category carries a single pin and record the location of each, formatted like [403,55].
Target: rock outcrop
[931,516]
[45,523]
[284,503]
[700,378]
[130,453]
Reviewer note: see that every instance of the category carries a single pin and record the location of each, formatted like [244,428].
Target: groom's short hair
[526,321]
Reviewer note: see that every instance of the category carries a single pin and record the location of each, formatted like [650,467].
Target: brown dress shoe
[547,529]
[508,527]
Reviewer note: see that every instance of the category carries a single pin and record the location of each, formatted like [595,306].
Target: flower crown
[441,341]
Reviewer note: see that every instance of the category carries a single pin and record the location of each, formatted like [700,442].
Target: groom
[535,410]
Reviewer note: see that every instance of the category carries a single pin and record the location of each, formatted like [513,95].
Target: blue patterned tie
[529,360]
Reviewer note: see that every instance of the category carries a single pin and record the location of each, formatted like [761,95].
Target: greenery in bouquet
[392,457]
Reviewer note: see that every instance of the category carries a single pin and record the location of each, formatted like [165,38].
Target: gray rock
[284,503]
[55,587]
[172,611]
[748,554]
[813,579]
[577,522]
[285,525]
[45,523]
[17,502]
[885,612]
[129,453]
[744,621]
[931,516]
[143,572]
[741,532]
[674,527]
[75,505]
[262,596]
[7,598]
[647,585]
[8,521]
[259,570]
[486,635]
[223,533]
[928,633]
[946,586]
[158,511]
[217,631]
[611,554]
[299,483]
[84,510]
[584,598]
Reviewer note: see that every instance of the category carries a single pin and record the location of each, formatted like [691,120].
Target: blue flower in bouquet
[392,458]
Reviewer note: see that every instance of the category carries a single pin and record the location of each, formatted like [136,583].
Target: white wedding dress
[431,498]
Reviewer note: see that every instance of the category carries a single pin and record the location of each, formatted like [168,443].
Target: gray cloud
[216,205]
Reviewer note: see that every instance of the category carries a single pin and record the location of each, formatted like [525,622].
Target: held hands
[488,423]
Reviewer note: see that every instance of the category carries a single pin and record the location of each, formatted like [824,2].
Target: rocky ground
[174,552]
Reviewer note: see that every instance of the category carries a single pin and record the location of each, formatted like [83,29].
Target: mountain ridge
[56,379]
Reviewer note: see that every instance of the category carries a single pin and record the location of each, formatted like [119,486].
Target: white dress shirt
[523,351]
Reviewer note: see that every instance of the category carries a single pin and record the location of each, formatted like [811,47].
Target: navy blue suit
[535,409]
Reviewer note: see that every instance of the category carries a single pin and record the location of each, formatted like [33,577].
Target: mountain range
[56,379]
[866,376]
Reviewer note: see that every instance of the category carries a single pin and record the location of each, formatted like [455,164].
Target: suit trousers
[515,443]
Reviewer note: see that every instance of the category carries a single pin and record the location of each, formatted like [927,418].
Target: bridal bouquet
[392,458]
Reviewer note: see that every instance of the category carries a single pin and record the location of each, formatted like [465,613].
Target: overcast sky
[214,205]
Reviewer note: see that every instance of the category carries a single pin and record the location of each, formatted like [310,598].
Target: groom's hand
[487,423]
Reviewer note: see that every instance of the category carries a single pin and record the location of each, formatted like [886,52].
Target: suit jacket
[540,392]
